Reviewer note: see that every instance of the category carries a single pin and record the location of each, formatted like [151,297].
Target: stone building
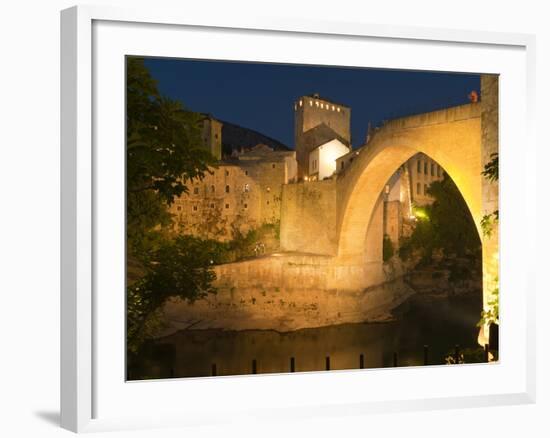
[238,195]
[320,124]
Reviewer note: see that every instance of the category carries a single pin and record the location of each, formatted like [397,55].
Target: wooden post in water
[361,361]
[214,370]
[425,355]
[292,365]
[457,354]
[395,359]
[254,367]
[327,363]
[486,352]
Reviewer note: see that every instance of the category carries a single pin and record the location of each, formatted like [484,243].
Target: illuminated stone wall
[489,143]
[241,194]
[286,292]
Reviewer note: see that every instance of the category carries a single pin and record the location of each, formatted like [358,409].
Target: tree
[445,225]
[164,152]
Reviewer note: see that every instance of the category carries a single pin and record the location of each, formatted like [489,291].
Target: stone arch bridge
[342,218]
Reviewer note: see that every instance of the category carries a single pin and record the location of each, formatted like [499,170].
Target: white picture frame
[87,376]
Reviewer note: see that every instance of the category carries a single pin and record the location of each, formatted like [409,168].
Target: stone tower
[212,135]
[317,121]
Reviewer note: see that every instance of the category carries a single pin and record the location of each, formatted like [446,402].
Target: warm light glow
[300,103]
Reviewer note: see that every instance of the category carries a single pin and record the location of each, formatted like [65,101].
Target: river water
[440,322]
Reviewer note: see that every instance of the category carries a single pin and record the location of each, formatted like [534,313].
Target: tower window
[226,189]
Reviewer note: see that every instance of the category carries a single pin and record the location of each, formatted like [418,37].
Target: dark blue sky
[261,96]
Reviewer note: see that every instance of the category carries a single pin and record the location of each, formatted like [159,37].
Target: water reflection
[438,322]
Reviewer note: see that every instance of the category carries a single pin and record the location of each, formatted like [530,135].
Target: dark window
[425,168]
[267,202]
[418,166]
[211,205]
[273,166]
[179,208]
[438,171]
[226,205]
[196,191]
[425,189]
[227,173]
[418,188]
[342,164]
[246,172]
[213,188]
[195,208]
[245,205]
[432,169]
[226,189]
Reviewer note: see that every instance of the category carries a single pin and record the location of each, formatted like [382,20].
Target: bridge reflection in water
[438,322]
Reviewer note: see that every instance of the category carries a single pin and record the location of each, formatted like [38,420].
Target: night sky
[261,96]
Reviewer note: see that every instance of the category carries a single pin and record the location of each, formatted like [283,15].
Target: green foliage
[445,225]
[163,152]
[180,267]
[387,248]
[491,315]
[490,170]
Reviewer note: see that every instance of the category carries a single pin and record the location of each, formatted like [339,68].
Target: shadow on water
[439,322]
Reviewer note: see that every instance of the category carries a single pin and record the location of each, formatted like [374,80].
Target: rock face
[283,293]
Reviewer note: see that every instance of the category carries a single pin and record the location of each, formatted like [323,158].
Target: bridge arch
[451,137]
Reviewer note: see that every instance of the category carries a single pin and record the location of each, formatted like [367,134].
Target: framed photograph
[276,218]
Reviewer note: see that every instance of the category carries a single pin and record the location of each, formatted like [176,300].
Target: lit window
[338,109]
[268,189]
[332,107]
[246,188]
[316,103]
[322,106]
[300,103]
[226,189]
[418,188]
[310,103]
